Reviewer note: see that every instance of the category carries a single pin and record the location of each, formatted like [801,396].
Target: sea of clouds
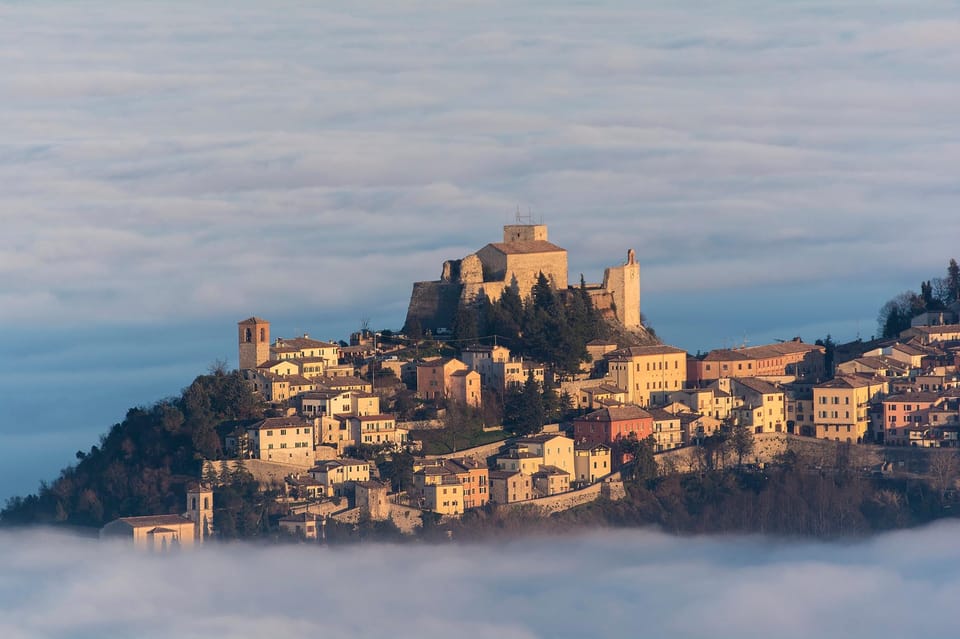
[630,583]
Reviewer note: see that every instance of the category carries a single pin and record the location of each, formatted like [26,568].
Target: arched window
[248,336]
[193,503]
[206,503]
[263,334]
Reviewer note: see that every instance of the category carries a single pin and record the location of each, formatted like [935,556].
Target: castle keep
[518,260]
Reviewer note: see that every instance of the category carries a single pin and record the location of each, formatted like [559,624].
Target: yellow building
[554,449]
[841,406]
[591,462]
[762,405]
[445,497]
[648,374]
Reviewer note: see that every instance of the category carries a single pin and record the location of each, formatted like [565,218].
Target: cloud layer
[185,161]
[606,584]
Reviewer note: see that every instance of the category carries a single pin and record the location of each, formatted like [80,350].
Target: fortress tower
[622,283]
[253,336]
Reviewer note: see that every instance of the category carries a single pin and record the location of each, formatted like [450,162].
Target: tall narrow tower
[200,510]
[623,284]
[254,340]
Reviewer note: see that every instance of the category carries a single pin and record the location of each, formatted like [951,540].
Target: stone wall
[433,304]
[479,453]
[266,473]
[572,499]
[407,519]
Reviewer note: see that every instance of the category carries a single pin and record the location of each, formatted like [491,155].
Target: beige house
[377,430]
[287,440]
[550,480]
[553,448]
[464,388]
[433,377]
[591,462]
[600,396]
[509,486]
[667,430]
[338,402]
[648,374]
[338,475]
[712,400]
[473,476]
[762,405]
[301,526]
[841,406]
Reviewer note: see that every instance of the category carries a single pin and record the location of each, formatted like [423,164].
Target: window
[283,431]
[269,433]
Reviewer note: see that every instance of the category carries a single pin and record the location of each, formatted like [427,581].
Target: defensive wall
[265,472]
[610,487]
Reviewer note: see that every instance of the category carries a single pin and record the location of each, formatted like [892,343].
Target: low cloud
[604,584]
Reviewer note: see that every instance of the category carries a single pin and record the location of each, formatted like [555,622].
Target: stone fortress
[518,260]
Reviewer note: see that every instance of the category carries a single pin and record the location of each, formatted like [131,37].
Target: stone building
[517,261]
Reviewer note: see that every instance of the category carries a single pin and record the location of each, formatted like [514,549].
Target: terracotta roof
[617,413]
[254,320]
[280,422]
[155,520]
[550,470]
[641,351]
[852,381]
[920,396]
[526,247]
[758,385]
[299,343]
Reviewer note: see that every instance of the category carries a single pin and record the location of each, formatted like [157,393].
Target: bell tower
[200,510]
[253,336]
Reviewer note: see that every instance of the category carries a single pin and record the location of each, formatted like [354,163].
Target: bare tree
[944,468]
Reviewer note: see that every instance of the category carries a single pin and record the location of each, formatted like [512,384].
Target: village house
[473,476]
[377,430]
[550,480]
[903,412]
[714,400]
[932,334]
[667,430]
[842,405]
[607,425]
[792,359]
[287,440]
[509,486]
[761,406]
[337,476]
[648,374]
[302,526]
[448,378]
[591,462]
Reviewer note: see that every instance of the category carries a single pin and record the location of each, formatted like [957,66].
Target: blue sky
[780,168]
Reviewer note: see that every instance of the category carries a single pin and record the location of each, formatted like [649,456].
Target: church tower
[623,284]
[200,510]
[254,340]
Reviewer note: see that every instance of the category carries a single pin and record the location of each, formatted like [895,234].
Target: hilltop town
[510,390]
